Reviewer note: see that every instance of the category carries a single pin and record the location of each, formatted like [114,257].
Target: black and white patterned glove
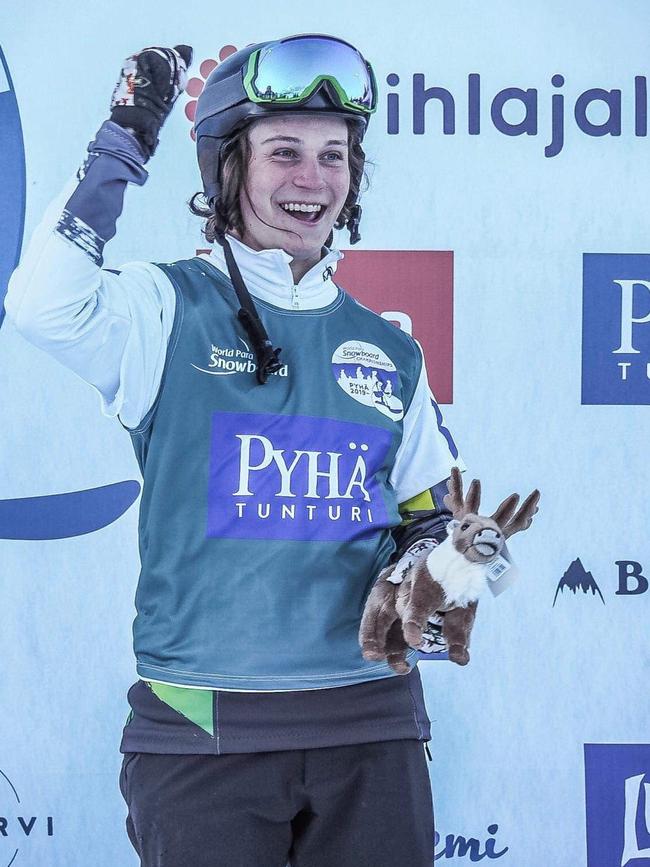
[149,85]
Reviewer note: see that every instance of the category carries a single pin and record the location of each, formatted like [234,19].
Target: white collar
[267,275]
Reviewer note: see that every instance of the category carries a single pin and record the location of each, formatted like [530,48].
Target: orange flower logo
[195,85]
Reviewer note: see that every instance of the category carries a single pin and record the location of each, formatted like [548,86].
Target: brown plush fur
[386,635]
[396,615]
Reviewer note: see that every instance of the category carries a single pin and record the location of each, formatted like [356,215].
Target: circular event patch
[367,374]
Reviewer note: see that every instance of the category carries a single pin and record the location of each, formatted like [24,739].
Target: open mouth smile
[304,212]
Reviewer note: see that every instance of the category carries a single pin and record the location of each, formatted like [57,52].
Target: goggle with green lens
[291,70]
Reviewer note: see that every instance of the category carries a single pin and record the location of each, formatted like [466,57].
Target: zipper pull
[295,301]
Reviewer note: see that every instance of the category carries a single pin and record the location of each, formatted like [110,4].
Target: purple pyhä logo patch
[295,477]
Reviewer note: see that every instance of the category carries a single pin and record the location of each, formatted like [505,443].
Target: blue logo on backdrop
[514,110]
[616,328]
[577,578]
[16,825]
[61,516]
[630,580]
[58,516]
[617,789]
[12,181]
[459,847]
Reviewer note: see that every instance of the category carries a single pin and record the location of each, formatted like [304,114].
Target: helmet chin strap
[268,360]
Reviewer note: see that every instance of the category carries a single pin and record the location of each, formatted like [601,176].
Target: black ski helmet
[223,108]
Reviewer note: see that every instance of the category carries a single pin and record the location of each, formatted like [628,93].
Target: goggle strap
[230,95]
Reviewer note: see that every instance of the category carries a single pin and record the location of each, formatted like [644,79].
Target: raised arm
[110,328]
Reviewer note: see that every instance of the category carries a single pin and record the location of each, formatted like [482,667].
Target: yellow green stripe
[194,704]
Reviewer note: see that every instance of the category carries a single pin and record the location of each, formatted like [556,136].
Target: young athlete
[288,444]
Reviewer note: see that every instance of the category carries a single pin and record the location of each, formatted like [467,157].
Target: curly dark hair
[225,213]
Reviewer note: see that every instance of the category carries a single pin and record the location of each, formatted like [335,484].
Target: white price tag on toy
[501,572]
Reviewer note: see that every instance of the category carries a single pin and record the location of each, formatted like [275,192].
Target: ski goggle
[288,72]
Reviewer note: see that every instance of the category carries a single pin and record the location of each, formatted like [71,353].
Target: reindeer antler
[454,499]
[506,510]
[522,520]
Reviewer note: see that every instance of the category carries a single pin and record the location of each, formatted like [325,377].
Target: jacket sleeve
[427,451]
[109,327]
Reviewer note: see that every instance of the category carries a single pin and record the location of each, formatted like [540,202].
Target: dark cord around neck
[268,358]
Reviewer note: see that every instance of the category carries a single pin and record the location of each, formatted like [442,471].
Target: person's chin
[303,253]
[293,243]
[302,249]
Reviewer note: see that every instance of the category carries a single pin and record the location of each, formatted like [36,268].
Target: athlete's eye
[284,152]
[337,157]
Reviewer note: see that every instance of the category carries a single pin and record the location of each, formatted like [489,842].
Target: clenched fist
[149,85]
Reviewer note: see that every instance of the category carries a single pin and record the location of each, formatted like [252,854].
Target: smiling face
[297,182]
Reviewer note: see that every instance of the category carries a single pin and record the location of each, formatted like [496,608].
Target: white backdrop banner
[505,227]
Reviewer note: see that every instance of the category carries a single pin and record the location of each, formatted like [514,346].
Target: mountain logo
[577,578]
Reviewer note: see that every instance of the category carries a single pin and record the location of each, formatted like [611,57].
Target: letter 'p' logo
[616,328]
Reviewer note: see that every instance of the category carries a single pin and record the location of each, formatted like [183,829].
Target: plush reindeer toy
[444,580]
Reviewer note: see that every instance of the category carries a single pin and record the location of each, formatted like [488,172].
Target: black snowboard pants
[363,805]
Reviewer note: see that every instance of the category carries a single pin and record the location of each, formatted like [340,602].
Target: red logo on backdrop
[195,84]
[415,290]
